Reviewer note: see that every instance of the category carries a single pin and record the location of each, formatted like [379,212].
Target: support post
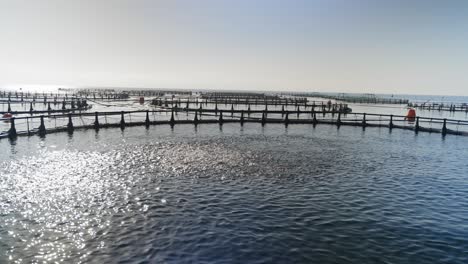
[444,127]
[242,118]
[221,120]
[147,120]
[12,131]
[314,119]
[42,129]
[416,127]
[195,119]
[122,120]
[391,122]
[172,121]
[70,123]
[96,121]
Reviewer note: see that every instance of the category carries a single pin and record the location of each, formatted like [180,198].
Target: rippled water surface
[232,195]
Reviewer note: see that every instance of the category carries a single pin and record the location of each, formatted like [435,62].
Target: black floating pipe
[12,131]
[42,129]
[70,123]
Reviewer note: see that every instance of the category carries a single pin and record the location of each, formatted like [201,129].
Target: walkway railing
[43,124]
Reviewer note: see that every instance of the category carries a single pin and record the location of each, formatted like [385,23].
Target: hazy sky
[323,45]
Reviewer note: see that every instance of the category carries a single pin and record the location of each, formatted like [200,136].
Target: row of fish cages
[125,94]
[15,97]
[325,108]
[164,101]
[450,107]
[365,100]
[251,98]
[225,95]
[44,124]
[351,98]
[15,108]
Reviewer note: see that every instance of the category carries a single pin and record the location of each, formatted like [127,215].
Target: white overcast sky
[418,47]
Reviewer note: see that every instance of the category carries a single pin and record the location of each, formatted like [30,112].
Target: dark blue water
[232,195]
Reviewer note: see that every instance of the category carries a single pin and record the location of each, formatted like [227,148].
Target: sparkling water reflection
[235,195]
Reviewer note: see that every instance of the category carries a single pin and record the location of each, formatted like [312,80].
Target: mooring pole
[391,122]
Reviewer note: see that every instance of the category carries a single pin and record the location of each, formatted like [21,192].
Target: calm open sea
[235,195]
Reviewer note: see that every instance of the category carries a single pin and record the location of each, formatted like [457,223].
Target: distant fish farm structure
[209,108]
[353,98]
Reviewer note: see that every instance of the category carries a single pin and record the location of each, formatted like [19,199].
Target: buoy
[7,115]
[142,100]
[411,115]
